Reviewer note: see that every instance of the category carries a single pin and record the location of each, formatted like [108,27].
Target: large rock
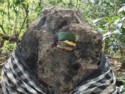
[58,68]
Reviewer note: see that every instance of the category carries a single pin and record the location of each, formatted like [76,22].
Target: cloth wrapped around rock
[17,78]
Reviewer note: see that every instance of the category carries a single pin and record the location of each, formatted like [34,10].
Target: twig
[27,14]
[16,21]
[2,29]
[8,14]
[78,18]
[25,19]
[1,65]
[77,3]
[23,24]
[11,38]
[111,57]
[70,4]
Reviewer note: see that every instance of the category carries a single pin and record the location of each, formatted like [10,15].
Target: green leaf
[62,36]
[123,13]
[96,20]
[123,30]
[2,10]
[2,1]
[17,2]
[38,9]
[121,9]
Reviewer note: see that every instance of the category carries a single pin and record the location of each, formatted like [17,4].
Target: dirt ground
[118,69]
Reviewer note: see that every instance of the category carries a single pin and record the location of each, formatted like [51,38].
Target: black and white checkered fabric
[101,81]
[17,78]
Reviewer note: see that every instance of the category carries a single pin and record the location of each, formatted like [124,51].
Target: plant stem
[1,26]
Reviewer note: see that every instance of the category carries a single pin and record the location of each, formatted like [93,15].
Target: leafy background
[105,16]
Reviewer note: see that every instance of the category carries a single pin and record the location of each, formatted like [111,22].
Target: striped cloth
[101,81]
[17,78]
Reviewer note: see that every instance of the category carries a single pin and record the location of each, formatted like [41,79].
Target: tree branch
[2,29]
[25,19]
[23,24]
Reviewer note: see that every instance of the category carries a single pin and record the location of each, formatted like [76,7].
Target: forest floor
[118,68]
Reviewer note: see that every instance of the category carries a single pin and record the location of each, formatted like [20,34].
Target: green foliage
[7,47]
[110,23]
[17,2]
[15,17]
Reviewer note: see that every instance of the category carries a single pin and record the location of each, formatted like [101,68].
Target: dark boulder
[59,68]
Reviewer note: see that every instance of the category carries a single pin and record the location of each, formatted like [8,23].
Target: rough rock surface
[60,69]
